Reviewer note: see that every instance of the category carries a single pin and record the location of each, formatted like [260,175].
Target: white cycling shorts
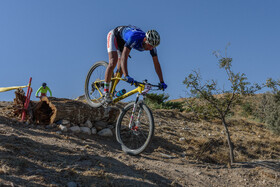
[112,44]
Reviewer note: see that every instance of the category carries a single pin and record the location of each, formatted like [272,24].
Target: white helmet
[153,38]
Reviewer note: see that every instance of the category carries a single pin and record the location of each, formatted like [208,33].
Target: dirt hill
[184,152]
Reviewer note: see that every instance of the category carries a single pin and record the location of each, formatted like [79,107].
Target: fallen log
[50,110]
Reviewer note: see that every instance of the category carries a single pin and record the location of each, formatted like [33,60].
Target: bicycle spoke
[138,136]
[94,83]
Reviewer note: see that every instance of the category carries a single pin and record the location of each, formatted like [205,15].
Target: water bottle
[120,93]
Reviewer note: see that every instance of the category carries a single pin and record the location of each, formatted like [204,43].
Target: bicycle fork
[134,126]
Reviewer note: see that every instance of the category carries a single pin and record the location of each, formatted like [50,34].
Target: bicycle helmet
[44,84]
[153,38]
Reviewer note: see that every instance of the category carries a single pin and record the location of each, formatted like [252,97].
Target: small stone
[93,130]
[85,130]
[99,125]
[58,132]
[105,132]
[182,139]
[186,128]
[50,126]
[65,122]
[62,128]
[75,129]
[166,155]
[88,124]
[184,123]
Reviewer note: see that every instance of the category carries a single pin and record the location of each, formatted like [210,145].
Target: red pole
[26,103]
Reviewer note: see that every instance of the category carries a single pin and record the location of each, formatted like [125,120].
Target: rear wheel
[134,133]
[94,84]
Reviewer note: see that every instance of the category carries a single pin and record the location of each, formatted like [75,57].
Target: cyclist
[43,89]
[120,41]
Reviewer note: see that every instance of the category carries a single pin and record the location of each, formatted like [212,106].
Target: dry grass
[206,141]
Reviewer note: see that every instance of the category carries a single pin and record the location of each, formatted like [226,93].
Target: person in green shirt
[43,89]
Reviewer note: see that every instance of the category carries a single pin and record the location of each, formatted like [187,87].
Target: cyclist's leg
[113,59]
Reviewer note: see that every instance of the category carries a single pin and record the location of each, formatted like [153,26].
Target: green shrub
[247,109]
[158,101]
[268,111]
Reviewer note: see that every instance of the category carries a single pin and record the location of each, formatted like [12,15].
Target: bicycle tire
[122,129]
[94,102]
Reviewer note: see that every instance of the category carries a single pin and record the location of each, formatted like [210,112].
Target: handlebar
[152,85]
[145,82]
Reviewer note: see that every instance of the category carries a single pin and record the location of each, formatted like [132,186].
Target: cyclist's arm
[49,91]
[158,68]
[37,92]
[124,58]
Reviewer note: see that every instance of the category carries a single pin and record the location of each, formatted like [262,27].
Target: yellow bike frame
[116,80]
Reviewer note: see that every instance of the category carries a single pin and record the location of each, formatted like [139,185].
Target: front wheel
[94,84]
[135,128]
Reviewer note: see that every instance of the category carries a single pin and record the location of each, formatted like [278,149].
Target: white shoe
[106,98]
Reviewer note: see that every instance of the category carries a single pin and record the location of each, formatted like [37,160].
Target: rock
[72,184]
[85,130]
[88,124]
[182,139]
[99,125]
[186,128]
[105,132]
[51,126]
[58,132]
[93,130]
[184,123]
[62,128]
[65,122]
[166,155]
[75,129]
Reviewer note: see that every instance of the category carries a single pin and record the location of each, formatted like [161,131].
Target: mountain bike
[135,124]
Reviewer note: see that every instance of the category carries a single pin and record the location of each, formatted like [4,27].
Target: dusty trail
[32,155]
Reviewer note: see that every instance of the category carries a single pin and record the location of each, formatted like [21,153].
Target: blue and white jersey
[132,38]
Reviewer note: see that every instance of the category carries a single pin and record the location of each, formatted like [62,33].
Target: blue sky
[58,41]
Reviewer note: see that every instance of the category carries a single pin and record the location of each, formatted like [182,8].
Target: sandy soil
[31,155]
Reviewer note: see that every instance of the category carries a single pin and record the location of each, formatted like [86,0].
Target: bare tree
[220,101]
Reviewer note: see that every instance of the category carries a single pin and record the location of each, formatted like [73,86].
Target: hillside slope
[184,152]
